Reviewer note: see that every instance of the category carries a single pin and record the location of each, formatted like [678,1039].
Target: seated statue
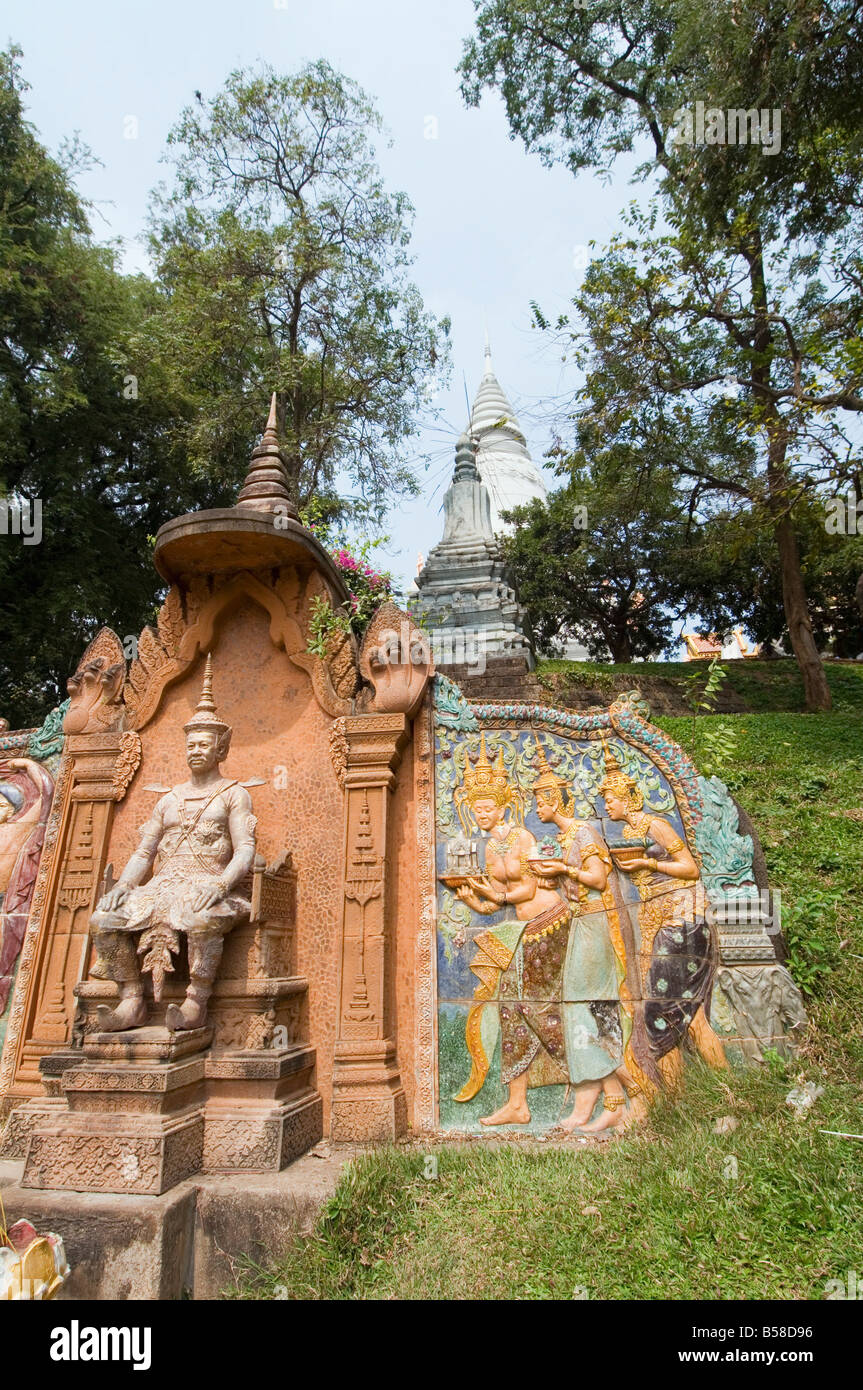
[203,833]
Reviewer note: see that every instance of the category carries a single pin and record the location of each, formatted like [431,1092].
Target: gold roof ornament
[205,716]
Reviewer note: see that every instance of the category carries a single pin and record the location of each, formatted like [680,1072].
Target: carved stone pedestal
[263,1110]
[139,1111]
[756,1005]
[369,1105]
[134,1115]
[26,1116]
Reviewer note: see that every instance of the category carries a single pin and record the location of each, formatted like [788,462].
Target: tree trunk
[621,650]
[815,687]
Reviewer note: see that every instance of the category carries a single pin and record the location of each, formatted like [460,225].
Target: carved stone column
[99,769]
[368,1100]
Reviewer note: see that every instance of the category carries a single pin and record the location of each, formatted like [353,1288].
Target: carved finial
[206,701]
[205,716]
[465,459]
[266,486]
[540,753]
[612,763]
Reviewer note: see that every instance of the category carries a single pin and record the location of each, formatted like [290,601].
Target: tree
[284,262]
[595,561]
[125,401]
[81,436]
[759,280]
[731,578]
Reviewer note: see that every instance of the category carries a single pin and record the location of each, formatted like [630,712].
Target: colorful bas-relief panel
[575,947]
[27,764]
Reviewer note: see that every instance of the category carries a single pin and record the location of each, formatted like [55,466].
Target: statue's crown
[205,716]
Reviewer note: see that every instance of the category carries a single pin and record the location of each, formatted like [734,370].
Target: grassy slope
[769,686]
[665,1213]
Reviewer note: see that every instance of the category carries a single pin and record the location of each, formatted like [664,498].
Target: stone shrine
[352,903]
[466,599]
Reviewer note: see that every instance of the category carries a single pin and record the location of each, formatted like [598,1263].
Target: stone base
[144,1110]
[262,1110]
[151,1044]
[369,1120]
[21,1123]
[118,1247]
[499,679]
[369,1105]
[121,1153]
[260,1139]
[187,1243]
[368,1117]
[756,1006]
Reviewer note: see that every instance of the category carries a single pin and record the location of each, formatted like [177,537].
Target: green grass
[772,1210]
[757,685]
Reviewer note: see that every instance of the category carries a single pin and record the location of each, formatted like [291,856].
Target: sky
[494,229]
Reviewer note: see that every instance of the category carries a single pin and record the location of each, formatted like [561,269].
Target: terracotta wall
[278,725]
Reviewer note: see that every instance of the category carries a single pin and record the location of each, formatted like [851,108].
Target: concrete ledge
[118,1247]
[187,1243]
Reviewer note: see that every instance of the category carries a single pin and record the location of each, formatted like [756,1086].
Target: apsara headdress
[618,781]
[547,779]
[485,780]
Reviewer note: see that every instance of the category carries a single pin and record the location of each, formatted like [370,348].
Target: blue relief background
[578,760]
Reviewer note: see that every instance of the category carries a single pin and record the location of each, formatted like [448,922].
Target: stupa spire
[266,486]
[502,456]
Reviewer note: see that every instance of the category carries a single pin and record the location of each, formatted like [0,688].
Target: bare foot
[607,1119]
[508,1114]
[635,1111]
[578,1118]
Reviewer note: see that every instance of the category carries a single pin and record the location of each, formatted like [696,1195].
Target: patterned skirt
[531,998]
[680,973]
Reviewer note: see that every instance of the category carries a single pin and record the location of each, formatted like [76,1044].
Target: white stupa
[502,457]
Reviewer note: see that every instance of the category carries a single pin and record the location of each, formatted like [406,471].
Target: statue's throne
[145,1109]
